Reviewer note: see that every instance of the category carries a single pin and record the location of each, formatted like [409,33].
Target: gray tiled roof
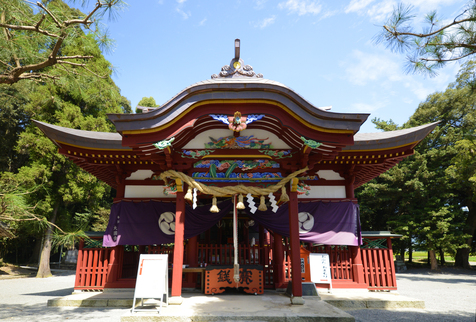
[389,139]
[236,89]
[88,139]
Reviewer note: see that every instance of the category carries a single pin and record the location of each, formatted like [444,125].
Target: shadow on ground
[39,313]
[61,292]
[410,315]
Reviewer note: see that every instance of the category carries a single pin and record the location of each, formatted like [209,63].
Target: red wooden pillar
[178,245]
[349,187]
[113,267]
[295,244]
[261,245]
[192,260]
[278,258]
[357,267]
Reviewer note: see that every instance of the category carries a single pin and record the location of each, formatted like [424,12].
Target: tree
[424,197]
[438,43]
[34,36]
[75,100]
[146,102]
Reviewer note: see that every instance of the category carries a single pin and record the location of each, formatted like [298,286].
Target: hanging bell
[214,207]
[189,196]
[240,204]
[262,205]
[284,196]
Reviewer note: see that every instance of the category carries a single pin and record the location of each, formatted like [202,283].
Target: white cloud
[357,5]
[366,67]
[203,22]
[366,108]
[301,7]
[179,9]
[266,22]
[259,4]
[379,11]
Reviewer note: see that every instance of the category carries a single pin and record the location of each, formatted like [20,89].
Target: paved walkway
[448,295]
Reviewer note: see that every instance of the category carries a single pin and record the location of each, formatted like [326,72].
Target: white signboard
[152,279]
[320,269]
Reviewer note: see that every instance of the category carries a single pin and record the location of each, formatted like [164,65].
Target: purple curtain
[153,222]
[328,223]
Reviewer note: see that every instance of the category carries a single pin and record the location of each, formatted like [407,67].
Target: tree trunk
[433,261]
[44,267]
[442,257]
[410,251]
[462,254]
[35,255]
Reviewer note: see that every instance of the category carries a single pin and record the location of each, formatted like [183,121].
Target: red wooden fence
[379,269]
[92,268]
[378,265]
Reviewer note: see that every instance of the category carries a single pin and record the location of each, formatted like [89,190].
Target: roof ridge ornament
[237,68]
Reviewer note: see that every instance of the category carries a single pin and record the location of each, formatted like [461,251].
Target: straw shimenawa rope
[232,190]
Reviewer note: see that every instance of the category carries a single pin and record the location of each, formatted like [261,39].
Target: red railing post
[357,267]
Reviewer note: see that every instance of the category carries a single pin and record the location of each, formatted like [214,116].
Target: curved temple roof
[79,138]
[390,139]
[358,157]
[242,91]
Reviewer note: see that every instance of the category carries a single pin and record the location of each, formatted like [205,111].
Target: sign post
[152,280]
[320,269]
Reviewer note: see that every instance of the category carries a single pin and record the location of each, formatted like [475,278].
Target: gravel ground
[449,295]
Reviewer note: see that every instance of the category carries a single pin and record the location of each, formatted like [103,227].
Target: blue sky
[323,50]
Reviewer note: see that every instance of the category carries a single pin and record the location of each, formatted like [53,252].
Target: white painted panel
[140,175]
[329,175]
[145,192]
[201,139]
[325,192]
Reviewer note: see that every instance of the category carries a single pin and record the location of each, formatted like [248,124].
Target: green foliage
[440,40]
[423,196]
[69,199]
[37,38]
[146,102]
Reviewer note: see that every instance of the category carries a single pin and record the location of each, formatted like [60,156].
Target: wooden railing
[378,266]
[92,268]
[248,255]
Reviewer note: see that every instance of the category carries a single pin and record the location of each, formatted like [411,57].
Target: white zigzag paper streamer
[194,198]
[272,199]
[251,203]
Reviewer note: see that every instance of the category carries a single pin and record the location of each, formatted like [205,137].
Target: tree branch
[449,59]
[50,14]
[397,33]
[29,28]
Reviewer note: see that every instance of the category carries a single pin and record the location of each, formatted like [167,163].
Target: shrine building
[236,178]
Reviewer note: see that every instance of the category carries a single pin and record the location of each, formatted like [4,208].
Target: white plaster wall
[199,141]
[325,192]
[140,175]
[145,192]
[329,175]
